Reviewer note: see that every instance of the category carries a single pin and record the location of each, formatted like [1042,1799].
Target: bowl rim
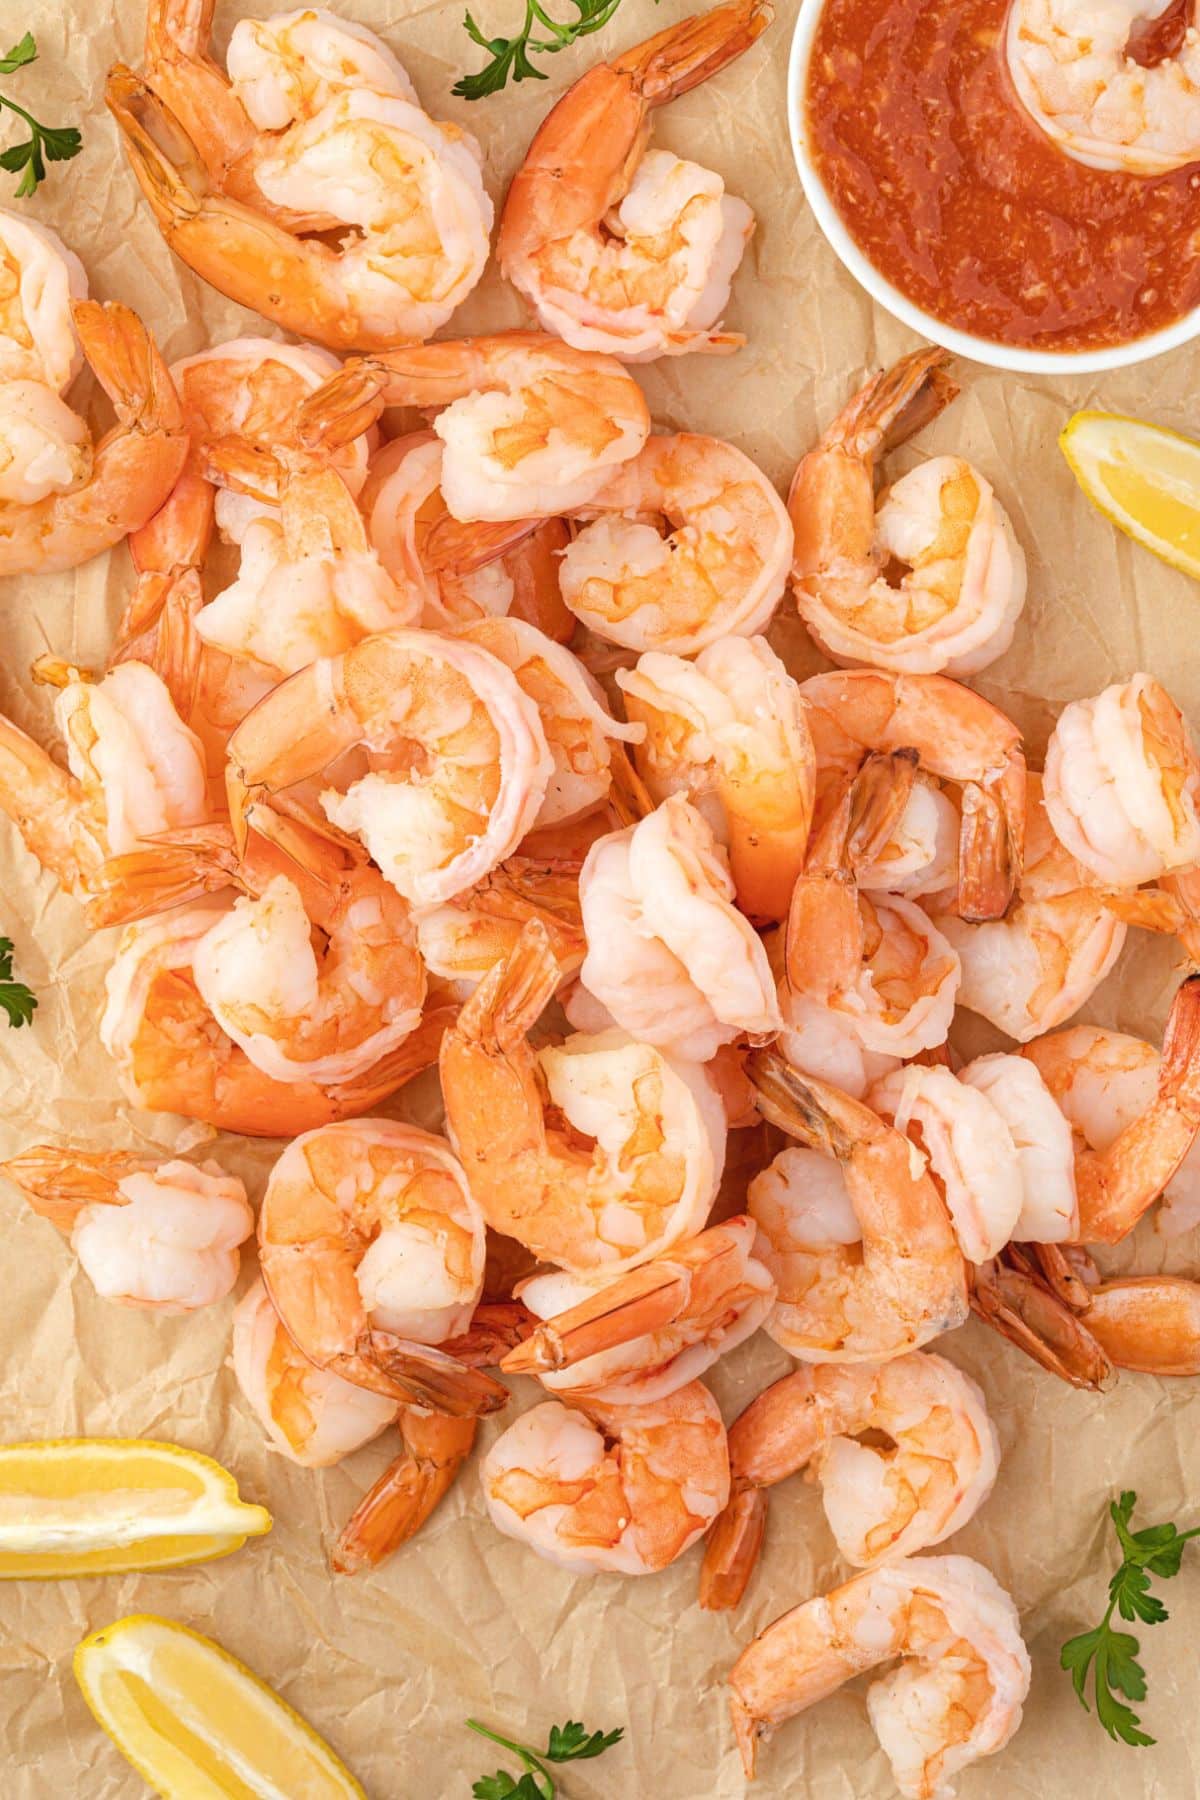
[1013,357]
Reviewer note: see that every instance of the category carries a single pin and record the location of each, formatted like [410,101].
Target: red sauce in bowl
[952,192]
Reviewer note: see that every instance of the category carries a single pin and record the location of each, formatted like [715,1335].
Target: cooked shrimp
[1032,969]
[172,1056]
[86,498]
[1045,1154]
[730,731]
[398,1504]
[621,248]
[625,1489]
[463,762]
[318,131]
[160,1235]
[962,590]
[1125,1154]
[669,955]
[867,1267]
[1148,1322]
[920,854]
[134,770]
[881,1503]
[571,705]
[959,737]
[1075,75]
[458,572]
[643,1336]
[957,1695]
[462,940]
[311,1416]
[968,1147]
[1122,784]
[529,427]
[39,278]
[1014,1296]
[595,1154]
[309,584]
[303,1013]
[372,1251]
[720,568]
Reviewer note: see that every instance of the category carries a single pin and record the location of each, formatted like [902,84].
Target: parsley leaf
[571,1742]
[15,998]
[511,55]
[1110,1656]
[45,143]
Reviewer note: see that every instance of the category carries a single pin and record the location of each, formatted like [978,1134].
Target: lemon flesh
[101,1506]
[1143,478]
[196,1723]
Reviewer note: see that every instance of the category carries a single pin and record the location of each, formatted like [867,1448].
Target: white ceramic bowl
[962,343]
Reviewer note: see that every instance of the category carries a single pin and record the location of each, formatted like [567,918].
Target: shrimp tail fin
[1025,1311]
[647,1299]
[244,468]
[164,159]
[797,1104]
[749,1731]
[732,1549]
[496,1326]
[421,1376]
[989,860]
[159,629]
[1150,909]
[1179,1070]
[126,362]
[684,55]
[58,1183]
[346,405]
[407,1492]
[513,994]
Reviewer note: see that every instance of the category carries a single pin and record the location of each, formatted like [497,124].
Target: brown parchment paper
[466,1621]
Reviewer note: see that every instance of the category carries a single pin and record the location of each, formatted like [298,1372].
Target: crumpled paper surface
[465,1621]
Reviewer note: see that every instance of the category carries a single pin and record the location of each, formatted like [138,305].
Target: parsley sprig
[510,55]
[571,1742]
[45,143]
[1112,1655]
[18,1001]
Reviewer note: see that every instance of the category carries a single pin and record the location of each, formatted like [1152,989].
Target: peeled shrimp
[720,569]
[920,854]
[318,130]
[636,1161]
[134,769]
[960,738]
[957,1695]
[956,604]
[172,1056]
[1122,784]
[643,1336]
[372,1251]
[669,955]
[571,705]
[881,1503]
[1074,73]
[529,427]
[464,757]
[1032,969]
[730,730]
[968,1147]
[1042,1138]
[164,1236]
[311,1416]
[303,1013]
[624,1489]
[73,499]
[621,248]
[459,573]
[1136,1117]
[39,278]
[867,1266]
[309,584]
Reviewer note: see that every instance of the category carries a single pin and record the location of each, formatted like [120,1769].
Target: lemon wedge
[99,1506]
[196,1723]
[1144,478]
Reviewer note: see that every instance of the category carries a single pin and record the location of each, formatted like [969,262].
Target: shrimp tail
[126,362]
[989,856]
[732,1549]
[348,404]
[159,629]
[58,1183]
[686,54]
[496,1327]
[1149,1322]
[647,1299]
[797,1105]
[879,794]
[513,994]
[1024,1310]
[396,1507]
[419,1375]
[898,403]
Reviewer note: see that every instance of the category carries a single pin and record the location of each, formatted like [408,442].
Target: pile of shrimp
[484,763]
